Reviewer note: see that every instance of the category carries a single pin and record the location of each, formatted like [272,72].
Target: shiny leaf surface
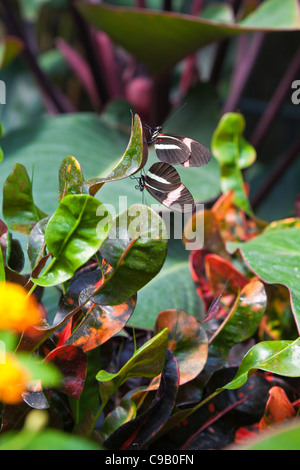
[73,235]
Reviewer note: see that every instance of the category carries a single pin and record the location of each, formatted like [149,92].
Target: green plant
[140,338]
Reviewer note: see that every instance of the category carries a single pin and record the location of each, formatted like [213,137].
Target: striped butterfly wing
[163,182]
[179,150]
[199,155]
[170,149]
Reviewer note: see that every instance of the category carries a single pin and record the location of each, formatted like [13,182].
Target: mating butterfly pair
[162,181]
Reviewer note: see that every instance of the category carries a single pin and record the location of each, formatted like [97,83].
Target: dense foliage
[115,332]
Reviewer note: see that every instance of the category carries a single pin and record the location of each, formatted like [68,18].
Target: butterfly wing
[199,155]
[163,182]
[179,150]
[170,149]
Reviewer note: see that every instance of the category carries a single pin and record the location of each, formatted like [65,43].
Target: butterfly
[163,182]
[177,149]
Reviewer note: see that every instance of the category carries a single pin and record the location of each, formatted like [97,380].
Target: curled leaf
[130,163]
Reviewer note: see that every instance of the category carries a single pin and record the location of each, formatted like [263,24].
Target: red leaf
[101,323]
[278,409]
[71,361]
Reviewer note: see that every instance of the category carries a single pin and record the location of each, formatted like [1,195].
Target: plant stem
[246,57]
[96,419]
[213,420]
[89,46]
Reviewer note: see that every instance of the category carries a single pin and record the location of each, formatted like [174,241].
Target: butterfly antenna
[174,114]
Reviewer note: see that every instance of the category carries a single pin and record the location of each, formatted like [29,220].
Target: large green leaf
[73,235]
[172,288]
[274,256]
[135,251]
[161,39]
[278,357]
[44,144]
[97,145]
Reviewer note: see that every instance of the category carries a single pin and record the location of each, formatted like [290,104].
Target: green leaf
[47,439]
[36,241]
[47,373]
[135,249]
[70,177]
[147,361]
[172,288]
[278,357]
[97,146]
[131,162]
[233,154]
[219,12]
[284,437]
[123,413]
[19,210]
[161,39]
[274,256]
[73,235]
[243,322]
[273,14]
[31,9]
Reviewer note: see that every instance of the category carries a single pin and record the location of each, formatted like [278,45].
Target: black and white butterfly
[163,182]
[177,149]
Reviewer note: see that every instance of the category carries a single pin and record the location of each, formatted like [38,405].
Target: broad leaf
[135,250]
[19,210]
[101,323]
[244,318]
[73,235]
[187,340]
[161,39]
[71,362]
[274,256]
[278,357]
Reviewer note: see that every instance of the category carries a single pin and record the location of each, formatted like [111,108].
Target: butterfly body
[163,182]
[178,150]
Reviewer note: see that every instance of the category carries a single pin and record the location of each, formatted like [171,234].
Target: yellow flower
[13,380]
[18,311]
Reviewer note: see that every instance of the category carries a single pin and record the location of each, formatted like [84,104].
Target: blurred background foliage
[70,87]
